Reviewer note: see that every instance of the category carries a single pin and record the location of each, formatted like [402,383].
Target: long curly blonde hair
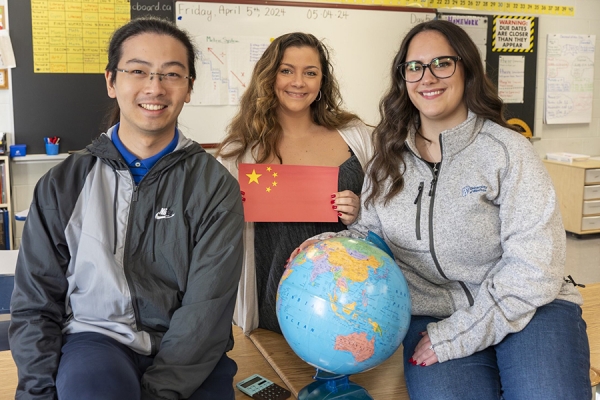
[256,124]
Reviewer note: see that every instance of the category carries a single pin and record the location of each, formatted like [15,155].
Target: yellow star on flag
[274,183]
[274,174]
[269,169]
[268,189]
[253,176]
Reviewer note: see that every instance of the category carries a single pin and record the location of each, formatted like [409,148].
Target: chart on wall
[71,36]
[225,67]
[569,78]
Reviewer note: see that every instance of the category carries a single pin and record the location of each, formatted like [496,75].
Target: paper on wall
[7,56]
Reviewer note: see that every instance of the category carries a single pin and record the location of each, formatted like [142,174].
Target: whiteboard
[362,40]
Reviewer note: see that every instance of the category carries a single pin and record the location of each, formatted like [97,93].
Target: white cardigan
[358,137]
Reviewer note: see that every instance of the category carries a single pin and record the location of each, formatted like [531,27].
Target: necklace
[425,145]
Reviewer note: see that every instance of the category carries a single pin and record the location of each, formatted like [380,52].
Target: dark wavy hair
[256,124]
[399,115]
[138,27]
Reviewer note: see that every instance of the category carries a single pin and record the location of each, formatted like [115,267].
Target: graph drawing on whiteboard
[225,68]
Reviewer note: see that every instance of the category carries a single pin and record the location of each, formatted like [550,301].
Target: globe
[343,305]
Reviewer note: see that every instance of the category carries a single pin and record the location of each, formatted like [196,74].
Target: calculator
[261,388]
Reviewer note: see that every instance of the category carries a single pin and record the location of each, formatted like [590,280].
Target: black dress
[275,241]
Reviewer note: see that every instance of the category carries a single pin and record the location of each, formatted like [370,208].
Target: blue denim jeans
[96,367]
[549,359]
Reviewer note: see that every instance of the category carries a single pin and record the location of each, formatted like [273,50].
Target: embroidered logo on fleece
[473,189]
[164,213]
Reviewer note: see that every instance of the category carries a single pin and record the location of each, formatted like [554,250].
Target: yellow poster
[71,36]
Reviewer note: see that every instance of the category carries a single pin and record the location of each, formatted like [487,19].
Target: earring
[319,96]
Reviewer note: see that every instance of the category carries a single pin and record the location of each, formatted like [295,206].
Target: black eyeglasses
[168,79]
[441,67]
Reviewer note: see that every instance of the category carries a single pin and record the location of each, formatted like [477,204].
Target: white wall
[580,138]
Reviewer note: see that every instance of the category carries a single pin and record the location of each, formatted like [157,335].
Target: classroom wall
[580,138]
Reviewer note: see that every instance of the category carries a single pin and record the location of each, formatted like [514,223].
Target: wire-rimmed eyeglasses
[441,67]
[168,79]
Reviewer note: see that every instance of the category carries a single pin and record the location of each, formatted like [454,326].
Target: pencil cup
[51,149]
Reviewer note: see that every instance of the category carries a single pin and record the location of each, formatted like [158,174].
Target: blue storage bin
[18,150]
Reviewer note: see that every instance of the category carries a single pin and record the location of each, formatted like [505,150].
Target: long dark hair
[256,124]
[137,27]
[399,115]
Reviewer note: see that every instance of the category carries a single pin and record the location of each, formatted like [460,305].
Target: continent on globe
[356,343]
[345,264]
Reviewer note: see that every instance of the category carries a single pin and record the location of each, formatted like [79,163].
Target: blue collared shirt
[139,168]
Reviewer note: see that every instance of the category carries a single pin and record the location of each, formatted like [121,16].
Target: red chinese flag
[288,193]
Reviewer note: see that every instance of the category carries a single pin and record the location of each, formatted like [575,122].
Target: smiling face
[149,107]
[439,101]
[298,80]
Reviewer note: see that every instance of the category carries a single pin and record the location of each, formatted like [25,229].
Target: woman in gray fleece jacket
[470,214]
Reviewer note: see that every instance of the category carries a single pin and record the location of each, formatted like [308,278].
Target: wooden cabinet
[578,190]
[5,197]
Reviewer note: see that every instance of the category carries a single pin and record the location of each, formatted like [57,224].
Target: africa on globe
[343,305]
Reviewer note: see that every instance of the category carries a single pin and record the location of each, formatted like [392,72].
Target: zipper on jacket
[431,202]
[418,203]
[432,189]
[127,260]
[435,172]
[153,345]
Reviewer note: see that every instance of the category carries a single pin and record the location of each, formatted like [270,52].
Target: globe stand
[329,386]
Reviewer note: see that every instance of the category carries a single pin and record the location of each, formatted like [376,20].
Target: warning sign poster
[513,34]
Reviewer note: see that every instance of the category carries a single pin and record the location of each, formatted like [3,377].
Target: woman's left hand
[424,354]
[347,204]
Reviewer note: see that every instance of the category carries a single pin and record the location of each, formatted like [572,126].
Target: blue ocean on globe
[343,305]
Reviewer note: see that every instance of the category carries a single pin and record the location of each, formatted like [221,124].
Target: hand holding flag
[288,193]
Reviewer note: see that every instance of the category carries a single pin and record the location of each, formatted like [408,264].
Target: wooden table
[249,361]
[246,355]
[384,382]
[8,376]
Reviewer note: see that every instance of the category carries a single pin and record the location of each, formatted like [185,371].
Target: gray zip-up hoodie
[482,245]
[155,266]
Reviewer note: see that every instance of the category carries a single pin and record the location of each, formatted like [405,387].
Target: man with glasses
[131,256]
